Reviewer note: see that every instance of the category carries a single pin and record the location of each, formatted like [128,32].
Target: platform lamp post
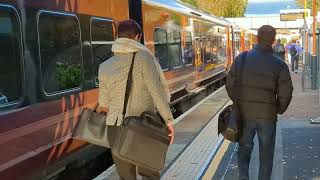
[314,59]
[305,45]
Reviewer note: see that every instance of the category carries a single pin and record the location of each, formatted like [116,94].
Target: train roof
[178,6]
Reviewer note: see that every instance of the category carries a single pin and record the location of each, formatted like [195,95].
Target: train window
[224,45]
[215,48]
[161,47]
[60,51]
[10,56]
[188,53]
[175,49]
[102,38]
[208,50]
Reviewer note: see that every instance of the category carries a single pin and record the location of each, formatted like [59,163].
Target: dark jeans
[294,63]
[266,131]
[127,171]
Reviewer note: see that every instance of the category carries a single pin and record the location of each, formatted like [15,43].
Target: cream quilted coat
[149,88]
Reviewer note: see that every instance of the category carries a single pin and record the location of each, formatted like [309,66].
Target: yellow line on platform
[216,161]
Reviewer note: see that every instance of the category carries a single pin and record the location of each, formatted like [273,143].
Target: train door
[135,13]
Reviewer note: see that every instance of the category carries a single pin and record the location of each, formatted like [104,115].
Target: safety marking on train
[33,153]
[36,126]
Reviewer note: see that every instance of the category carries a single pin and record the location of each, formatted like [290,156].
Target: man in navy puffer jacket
[265,91]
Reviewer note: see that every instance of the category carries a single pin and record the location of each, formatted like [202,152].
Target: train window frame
[179,47]
[19,101]
[96,83]
[65,91]
[166,44]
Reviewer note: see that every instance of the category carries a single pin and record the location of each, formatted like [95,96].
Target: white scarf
[126,45]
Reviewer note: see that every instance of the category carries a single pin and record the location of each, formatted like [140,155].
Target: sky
[259,7]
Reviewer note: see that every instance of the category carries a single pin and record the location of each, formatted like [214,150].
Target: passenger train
[50,51]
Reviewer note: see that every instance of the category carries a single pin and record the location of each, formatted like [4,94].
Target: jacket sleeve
[153,79]
[231,81]
[163,80]
[104,97]
[284,90]
[299,49]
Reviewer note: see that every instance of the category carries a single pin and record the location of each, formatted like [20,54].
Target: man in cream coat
[149,90]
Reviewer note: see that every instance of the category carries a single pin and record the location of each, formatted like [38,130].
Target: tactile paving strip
[194,160]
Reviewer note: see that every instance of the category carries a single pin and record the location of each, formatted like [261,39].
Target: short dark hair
[128,29]
[279,40]
[266,35]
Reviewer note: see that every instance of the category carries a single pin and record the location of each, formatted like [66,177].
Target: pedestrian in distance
[279,49]
[294,49]
[265,90]
[149,90]
[3,98]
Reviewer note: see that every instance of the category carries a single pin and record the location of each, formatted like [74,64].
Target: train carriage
[49,54]
[50,51]
[191,46]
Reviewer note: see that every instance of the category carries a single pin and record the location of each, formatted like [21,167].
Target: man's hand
[171,132]
[101,109]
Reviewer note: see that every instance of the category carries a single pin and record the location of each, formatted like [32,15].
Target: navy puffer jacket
[266,86]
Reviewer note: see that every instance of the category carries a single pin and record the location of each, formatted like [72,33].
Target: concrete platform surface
[297,151]
[297,154]
[189,128]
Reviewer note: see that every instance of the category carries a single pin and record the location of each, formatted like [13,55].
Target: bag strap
[239,79]
[128,87]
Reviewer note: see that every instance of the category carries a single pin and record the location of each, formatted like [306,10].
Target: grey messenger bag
[142,141]
[92,128]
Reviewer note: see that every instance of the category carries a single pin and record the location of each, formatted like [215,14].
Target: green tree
[284,40]
[224,8]
[191,2]
[300,3]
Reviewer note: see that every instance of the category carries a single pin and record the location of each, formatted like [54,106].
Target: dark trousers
[125,170]
[266,131]
[294,63]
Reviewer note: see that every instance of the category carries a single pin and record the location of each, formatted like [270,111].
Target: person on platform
[149,90]
[3,98]
[279,49]
[294,49]
[265,90]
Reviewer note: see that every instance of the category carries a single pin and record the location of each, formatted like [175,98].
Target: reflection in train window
[161,47]
[102,37]
[60,51]
[175,49]
[10,56]
[188,53]
[208,49]
[198,54]
[223,41]
[215,48]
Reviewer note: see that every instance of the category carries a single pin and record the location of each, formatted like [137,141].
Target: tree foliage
[191,2]
[224,8]
[300,3]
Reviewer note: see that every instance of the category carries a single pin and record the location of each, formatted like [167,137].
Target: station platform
[199,153]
